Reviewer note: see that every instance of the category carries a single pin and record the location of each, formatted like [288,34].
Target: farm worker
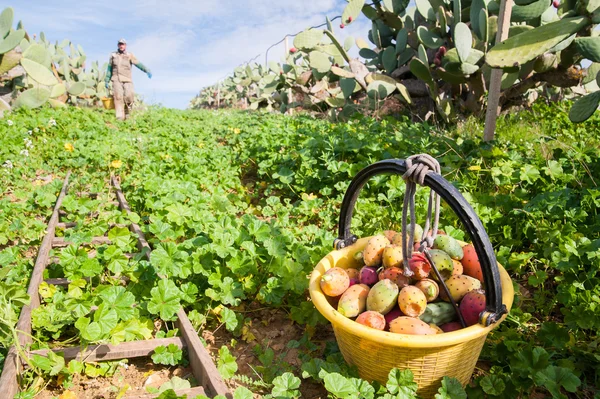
[119,72]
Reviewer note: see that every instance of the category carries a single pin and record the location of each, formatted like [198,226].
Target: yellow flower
[69,147]
[474,167]
[236,130]
[117,163]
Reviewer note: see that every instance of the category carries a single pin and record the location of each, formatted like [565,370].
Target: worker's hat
[122,41]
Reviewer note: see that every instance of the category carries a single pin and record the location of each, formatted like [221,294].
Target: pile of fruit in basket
[380,295]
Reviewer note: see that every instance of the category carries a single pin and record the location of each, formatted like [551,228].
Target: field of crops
[239,207]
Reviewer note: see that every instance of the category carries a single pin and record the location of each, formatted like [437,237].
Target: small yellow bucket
[108,102]
[429,357]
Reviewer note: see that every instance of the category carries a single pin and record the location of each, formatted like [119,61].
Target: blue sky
[187,44]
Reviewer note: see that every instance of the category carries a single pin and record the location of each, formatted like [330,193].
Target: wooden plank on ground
[59,242]
[67,225]
[142,245]
[125,350]
[191,393]
[8,380]
[203,367]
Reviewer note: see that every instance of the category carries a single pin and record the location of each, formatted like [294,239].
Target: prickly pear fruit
[443,262]
[368,275]
[392,256]
[472,305]
[396,275]
[353,281]
[293,50]
[354,301]
[430,288]
[418,236]
[449,245]
[410,325]
[452,326]
[389,234]
[382,297]
[342,26]
[556,3]
[436,328]
[458,268]
[459,286]
[359,261]
[371,319]
[391,315]
[470,263]
[438,313]
[374,250]
[352,273]
[335,281]
[412,301]
[419,265]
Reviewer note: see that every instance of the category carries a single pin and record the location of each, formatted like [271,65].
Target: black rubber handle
[483,247]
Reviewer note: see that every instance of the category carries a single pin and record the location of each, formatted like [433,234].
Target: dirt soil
[272,328]
[137,374]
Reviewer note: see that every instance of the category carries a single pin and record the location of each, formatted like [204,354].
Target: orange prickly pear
[395,274]
[430,288]
[412,301]
[410,325]
[392,256]
[371,319]
[354,301]
[352,273]
[458,268]
[335,281]
[470,262]
[389,234]
[373,252]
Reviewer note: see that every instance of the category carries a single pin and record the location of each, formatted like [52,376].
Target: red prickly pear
[392,256]
[459,286]
[352,273]
[391,315]
[412,301]
[419,266]
[471,306]
[373,252]
[382,297]
[341,26]
[371,319]
[556,3]
[353,281]
[430,288]
[349,19]
[354,301]
[368,275]
[389,234]
[470,262]
[410,325]
[395,274]
[452,326]
[293,50]
[335,281]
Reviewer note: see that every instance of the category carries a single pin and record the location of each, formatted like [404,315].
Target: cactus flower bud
[293,50]
[342,26]
[349,19]
[556,3]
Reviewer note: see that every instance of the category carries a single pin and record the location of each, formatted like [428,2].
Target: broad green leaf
[165,299]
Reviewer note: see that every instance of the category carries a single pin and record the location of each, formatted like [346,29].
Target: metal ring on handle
[483,247]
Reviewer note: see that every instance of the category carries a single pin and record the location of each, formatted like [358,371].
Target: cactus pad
[33,98]
[529,12]
[589,47]
[6,21]
[12,40]
[584,107]
[463,40]
[428,38]
[308,39]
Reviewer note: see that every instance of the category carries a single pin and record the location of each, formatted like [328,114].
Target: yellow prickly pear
[354,301]
[459,286]
[392,256]
[373,252]
[429,287]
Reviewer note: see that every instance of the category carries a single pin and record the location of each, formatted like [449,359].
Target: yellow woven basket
[429,357]
[108,102]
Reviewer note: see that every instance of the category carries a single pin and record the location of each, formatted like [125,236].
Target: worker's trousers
[123,96]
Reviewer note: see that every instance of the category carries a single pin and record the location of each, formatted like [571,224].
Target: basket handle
[483,247]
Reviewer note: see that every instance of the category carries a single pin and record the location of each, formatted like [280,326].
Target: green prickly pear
[430,288]
[449,245]
[443,262]
[459,286]
[354,301]
[373,252]
[392,256]
[335,281]
[382,297]
[371,319]
[412,301]
[438,313]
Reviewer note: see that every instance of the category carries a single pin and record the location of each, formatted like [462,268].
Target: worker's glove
[149,75]
[106,85]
